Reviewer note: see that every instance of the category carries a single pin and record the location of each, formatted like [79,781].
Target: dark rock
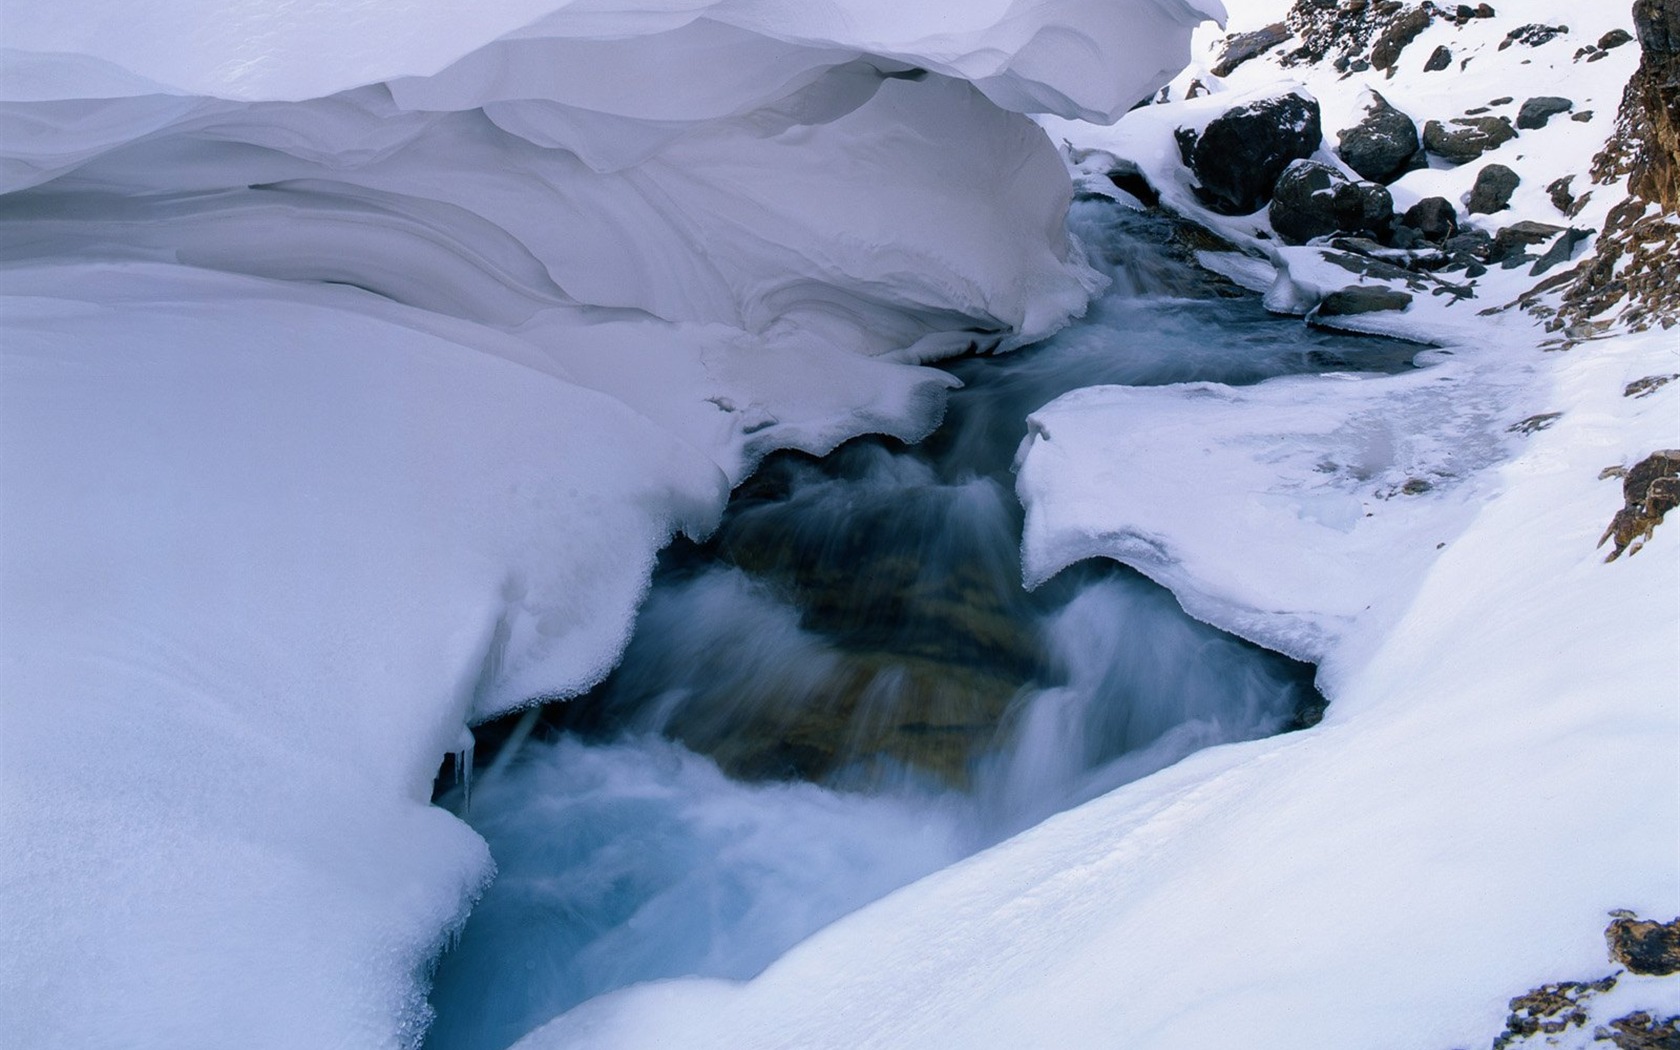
[1596,55]
[1439,59]
[1362,299]
[1561,251]
[1562,197]
[1657,23]
[1494,185]
[1385,53]
[1358,65]
[1130,178]
[1534,34]
[1470,242]
[1315,200]
[1240,155]
[1650,490]
[1380,147]
[1642,946]
[1582,117]
[1510,245]
[1467,138]
[1244,46]
[1537,111]
[1614,39]
[1434,218]
[1484,11]
[1640,1031]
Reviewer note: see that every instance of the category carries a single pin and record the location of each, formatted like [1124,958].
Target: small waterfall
[847,688]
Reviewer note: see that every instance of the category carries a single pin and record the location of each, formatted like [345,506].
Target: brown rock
[1643,946]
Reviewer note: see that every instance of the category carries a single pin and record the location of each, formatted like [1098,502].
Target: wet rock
[1492,192]
[1466,138]
[1439,59]
[1645,947]
[1385,53]
[1434,218]
[1381,146]
[1244,46]
[1650,490]
[1315,200]
[1362,299]
[1239,156]
[1537,111]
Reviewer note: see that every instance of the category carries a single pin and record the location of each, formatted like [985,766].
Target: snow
[358,359]
[1495,772]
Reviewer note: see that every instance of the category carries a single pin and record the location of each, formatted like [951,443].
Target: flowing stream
[847,688]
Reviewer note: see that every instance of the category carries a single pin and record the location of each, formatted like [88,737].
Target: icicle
[464,766]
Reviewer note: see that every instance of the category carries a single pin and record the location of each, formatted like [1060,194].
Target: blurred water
[847,688]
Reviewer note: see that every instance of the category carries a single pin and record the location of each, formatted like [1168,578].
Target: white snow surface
[357,360]
[1496,769]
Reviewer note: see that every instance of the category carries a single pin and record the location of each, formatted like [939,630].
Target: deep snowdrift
[358,359]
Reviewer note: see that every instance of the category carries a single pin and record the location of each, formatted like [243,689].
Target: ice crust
[359,357]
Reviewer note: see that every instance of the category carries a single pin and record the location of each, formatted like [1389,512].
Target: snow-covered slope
[359,357]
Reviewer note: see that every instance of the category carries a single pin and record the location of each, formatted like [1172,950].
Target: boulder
[1239,156]
[1433,217]
[1362,299]
[1537,111]
[1492,192]
[1381,146]
[1467,138]
[1315,200]
[1439,59]
[1244,46]
[1614,39]
[1510,245]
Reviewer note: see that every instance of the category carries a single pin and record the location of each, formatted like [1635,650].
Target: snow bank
[358,359]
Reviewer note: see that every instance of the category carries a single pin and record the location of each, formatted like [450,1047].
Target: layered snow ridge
[358,359]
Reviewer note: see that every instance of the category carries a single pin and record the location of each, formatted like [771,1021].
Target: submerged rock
[1381,146]
[1237,159]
